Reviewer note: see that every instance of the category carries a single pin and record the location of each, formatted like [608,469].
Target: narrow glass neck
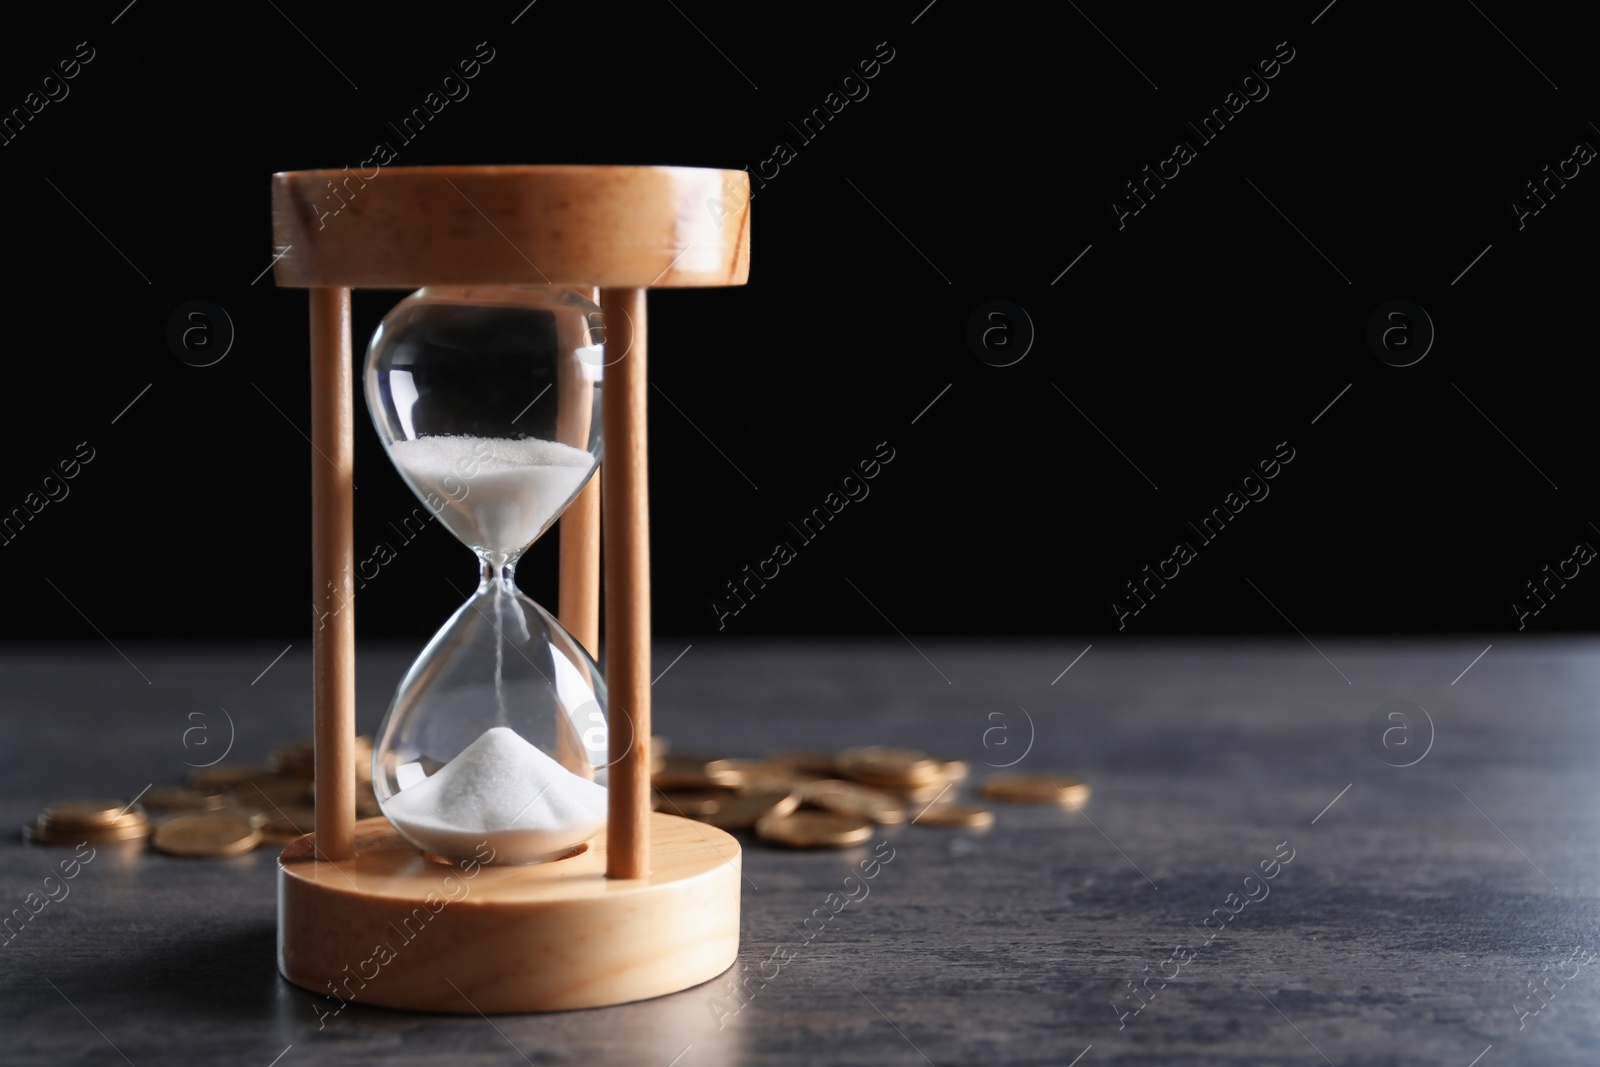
[490,569]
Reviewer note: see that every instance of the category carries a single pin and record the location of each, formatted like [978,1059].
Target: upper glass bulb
[487,398]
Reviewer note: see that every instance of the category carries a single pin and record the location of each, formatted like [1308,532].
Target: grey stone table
[1361,911]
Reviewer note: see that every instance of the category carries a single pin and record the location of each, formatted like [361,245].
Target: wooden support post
[579,601]
[626,515]
[579,597]
[333,572]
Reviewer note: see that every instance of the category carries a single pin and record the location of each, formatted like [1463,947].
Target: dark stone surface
[1403,931]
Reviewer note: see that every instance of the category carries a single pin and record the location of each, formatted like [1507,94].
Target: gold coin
[274,790]
[298,819]
[225,775]
[744,810]
[968,816]
[886,765]
[133,818]
[295,760]
[271,838]
[42,833]
[736,773]
[280,830]
[814,829]
[257,817]
[768,781]
[84,813]
[691,803]
[730,773]
[683,772]
[950,774]
[129,825]
[257,812]
[1036,789]
[181,798]
[212,833]
[813,761]
[848,798]
[920,795]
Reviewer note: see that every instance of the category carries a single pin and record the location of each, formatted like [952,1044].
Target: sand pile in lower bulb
[502,790]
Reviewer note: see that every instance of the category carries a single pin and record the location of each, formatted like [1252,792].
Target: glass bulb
[487,400]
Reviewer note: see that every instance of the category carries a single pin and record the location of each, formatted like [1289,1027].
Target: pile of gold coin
[798,798]
[820,799]
[72,822]
[225,810]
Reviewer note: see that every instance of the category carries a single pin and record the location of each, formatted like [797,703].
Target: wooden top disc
[614,227]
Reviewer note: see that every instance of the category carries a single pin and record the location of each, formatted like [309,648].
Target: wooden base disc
[393,928]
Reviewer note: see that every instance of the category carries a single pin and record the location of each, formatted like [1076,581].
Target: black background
[980,165]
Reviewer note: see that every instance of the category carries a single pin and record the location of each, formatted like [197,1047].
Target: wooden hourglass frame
[652,906]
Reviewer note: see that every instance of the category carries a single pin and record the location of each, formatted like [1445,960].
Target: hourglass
[495,745]
[518,866]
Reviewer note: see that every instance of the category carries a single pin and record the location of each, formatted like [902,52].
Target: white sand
[502,790]
[514,489]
